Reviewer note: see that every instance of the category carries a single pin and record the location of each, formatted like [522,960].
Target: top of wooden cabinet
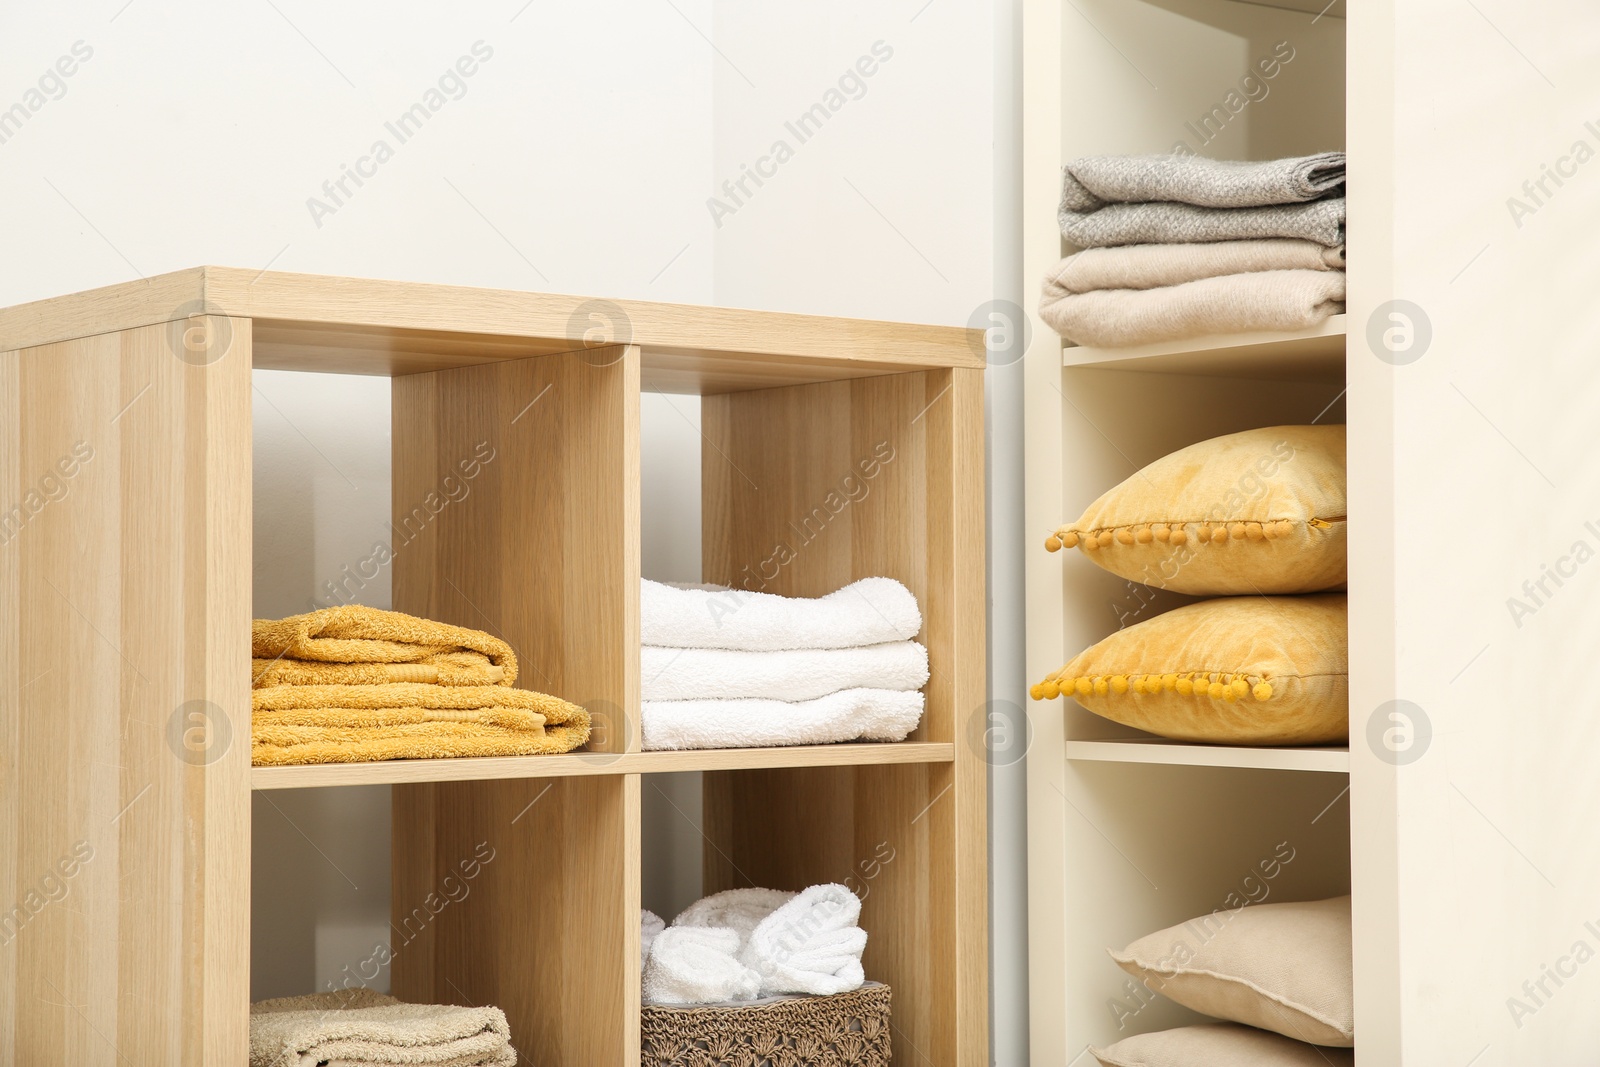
[311,322]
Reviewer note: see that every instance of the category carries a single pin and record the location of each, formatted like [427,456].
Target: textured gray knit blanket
[1165,222]
[1095,181]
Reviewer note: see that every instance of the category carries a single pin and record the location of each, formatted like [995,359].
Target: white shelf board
[1326,758]
[1307,355]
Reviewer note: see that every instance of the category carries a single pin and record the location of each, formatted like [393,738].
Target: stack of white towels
[727,668]
[749,943]
[1182,246]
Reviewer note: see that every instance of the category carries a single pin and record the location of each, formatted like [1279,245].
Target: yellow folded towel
[355,633]
[292,724]
[446,668]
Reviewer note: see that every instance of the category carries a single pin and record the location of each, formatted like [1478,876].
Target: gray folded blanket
[1152,266]
[1166,222]
[1233,303]
[1094,181]
[360,1028]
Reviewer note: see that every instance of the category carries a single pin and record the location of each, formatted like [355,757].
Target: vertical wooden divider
[125,697]
[516,511]
[806,488]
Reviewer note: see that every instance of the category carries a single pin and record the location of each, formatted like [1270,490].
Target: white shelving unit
[1471,854]
[1130,833]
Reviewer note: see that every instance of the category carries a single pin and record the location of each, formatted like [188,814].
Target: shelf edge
[404,772]
[1322,760]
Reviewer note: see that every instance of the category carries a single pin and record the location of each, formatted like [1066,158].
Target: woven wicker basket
[844,1030]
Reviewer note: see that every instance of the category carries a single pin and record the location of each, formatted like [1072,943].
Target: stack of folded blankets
[358,1027]
[727,668]
[747,943]
[354,683]
[1182,246]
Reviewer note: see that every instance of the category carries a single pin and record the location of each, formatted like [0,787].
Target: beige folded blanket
[355,633]
[293,724]
[1234,303]
[446,668]
[359,1028]
[1152,266]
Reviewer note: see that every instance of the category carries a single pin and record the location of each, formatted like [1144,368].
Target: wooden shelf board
[1308,355]
[398,772]
[1325,758]
[310,322]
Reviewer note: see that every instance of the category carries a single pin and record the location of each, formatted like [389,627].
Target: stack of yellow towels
[352,684]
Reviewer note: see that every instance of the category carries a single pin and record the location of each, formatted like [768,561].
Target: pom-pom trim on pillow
[1216,685]
[1178,533]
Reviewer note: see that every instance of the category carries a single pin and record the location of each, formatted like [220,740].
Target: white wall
[886,210]
[578,157]
[541,171]
[902,204]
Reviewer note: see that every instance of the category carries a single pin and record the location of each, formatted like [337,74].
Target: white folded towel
[697,965]
[739,910]
[811,944]
[794,674]
[650,927]
[871,611]
[849,715]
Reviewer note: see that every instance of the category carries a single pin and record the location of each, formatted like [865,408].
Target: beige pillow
[1281,967]
[1249,670]
[1261,511]
[1218,1045]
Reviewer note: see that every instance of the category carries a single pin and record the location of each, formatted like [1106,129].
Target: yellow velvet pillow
[1236,671]
[1261,511]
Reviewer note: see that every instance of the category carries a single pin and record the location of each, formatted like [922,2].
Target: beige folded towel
[359,1028]
[1234,303]
[1152,266]
[445,668]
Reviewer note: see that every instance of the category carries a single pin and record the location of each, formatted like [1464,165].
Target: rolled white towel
[871,611]
[697,965]
[850,715]
[650,927]
[792,674]
[740,910]
[810,945]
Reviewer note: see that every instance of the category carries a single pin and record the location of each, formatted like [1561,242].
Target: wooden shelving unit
[1129,833]
[124,646]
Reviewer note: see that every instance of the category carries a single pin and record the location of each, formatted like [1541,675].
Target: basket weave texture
[843,1030]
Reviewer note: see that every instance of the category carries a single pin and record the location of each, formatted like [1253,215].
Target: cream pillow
[1218,1045]
[1280,967]
[1249,670]
[1261,511]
